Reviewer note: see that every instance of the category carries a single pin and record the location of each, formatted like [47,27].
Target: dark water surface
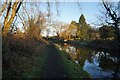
[99,64]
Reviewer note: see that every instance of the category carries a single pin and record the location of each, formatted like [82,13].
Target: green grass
[36,70]
[72,69]
[29,63]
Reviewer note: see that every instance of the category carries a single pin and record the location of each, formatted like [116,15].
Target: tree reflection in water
[97,63]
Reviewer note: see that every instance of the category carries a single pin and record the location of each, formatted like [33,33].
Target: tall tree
[59,27]
[3,8]
[36,25]
[111,16]
[83,27]
[93,33]
[106,32]
[77,27]
[10,17]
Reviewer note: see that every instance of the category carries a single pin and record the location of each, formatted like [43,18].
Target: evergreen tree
[77,34]
[107,31]
[83,27]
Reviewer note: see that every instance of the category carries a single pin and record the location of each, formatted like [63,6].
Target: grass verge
[72,69]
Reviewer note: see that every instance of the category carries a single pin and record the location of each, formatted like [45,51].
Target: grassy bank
[37,68]
[22,57]
[30,58]
[72,69]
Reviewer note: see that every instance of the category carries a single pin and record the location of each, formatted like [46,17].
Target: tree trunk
[3,8]
[117,35]
[7,24]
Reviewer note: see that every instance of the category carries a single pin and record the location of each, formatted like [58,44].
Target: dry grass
[19,54]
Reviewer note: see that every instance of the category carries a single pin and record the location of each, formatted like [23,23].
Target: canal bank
[98,63]
[56,64]
[106,45]
[30,58]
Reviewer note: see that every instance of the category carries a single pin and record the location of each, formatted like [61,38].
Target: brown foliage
[18,51]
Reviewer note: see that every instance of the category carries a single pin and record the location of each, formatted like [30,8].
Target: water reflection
[98,64]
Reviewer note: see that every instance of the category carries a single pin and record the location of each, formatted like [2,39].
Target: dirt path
[53,67]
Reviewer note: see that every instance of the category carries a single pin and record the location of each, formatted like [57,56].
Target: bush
[19,54]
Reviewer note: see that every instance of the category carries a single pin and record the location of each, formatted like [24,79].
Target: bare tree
[59,27]
[3,8]
[10,17]
[111,16]
[34,12]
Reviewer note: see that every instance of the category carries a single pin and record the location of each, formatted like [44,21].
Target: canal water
[99,64]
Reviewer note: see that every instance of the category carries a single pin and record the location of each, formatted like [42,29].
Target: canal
[98,63]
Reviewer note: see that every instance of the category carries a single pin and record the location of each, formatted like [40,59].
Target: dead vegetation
[19,54]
